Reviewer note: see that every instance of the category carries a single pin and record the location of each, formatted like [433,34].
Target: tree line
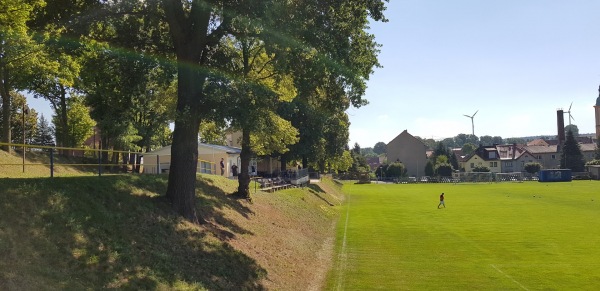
[282,73]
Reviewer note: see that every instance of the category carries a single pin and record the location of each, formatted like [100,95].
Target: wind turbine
[472,123]
[570,116]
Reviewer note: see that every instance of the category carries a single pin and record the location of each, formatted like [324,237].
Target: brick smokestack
[560,123]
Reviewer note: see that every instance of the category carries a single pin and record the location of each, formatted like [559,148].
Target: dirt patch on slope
[290,233]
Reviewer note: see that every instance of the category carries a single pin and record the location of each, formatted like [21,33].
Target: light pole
[24,111]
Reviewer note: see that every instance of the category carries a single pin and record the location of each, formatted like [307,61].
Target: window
[554,157]
[492,155]
[539,157]
[508,164]
[472,165]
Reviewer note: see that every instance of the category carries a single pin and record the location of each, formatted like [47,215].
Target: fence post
[99,163]
[52,163]
[157,165]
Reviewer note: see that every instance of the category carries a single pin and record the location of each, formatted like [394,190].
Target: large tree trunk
[63,119]
[5,92]
[181,190]
[189,34]
[244,176]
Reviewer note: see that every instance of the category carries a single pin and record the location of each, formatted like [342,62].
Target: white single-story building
[209,156]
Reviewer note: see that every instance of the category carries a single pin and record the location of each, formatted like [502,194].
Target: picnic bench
[273,184]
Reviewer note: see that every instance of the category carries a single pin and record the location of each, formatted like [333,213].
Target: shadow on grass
[112,232]
[317,191]
[212,207]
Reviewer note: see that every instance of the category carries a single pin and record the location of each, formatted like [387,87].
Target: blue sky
[516,62]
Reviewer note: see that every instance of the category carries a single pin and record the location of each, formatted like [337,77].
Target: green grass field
[505,236]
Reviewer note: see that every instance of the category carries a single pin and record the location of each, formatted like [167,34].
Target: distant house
[547,152]
[209,156]
[514,157]
[486,156]
[374,162]
[461,158]
[410,151]
[545,155]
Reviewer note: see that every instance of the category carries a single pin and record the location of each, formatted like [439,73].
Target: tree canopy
[284,73]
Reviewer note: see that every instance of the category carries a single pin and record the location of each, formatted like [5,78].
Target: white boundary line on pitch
[509,277]
[343,256]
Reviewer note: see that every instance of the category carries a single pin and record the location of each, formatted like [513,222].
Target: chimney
[514,149]
[560,123]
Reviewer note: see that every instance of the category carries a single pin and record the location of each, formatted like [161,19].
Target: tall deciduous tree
[252,92]
[18,53]
[23,119]
[338,38]
[380,148]
[80,125]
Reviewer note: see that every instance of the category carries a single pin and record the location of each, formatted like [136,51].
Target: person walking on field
[442,201]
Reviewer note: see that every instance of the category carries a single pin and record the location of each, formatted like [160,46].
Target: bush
[395,170]
[444,170]
[532,167]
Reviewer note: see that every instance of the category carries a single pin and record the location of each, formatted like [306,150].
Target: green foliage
[380,148]
[359,163]
[468,148]
[429,142]
[532,167]
[571,156]
[449,142]
[481,169]
[441,159]
[461,139]
[212,133]
[44,134]
[395,170]
[367,152]
[429,171]
[19,55]
[440,150]
[340,164]
[443,169]
[573,128]
[513,140]
[80,125]
[274,135]
[16,120]
[453,161]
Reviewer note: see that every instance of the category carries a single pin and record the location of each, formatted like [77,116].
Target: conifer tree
[44,134]
[571,156]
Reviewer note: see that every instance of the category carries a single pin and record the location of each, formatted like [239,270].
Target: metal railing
[86,157]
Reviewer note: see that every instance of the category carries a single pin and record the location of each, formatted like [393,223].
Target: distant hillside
[118,231]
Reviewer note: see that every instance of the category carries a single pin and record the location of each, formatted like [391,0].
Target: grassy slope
[118,232]
[505,236]
[37,165]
